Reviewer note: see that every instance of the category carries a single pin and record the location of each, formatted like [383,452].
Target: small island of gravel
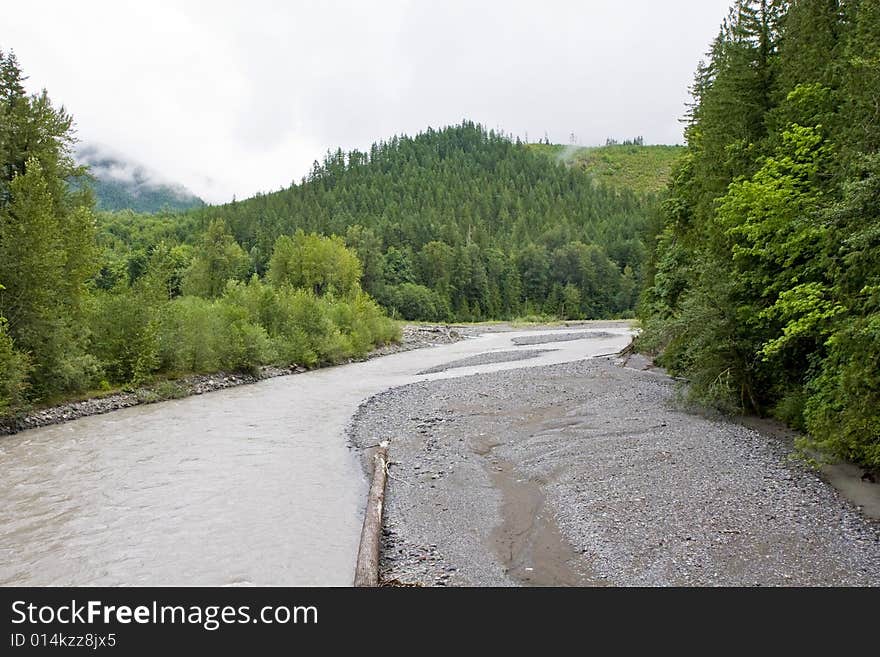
[527,340]
[487,358]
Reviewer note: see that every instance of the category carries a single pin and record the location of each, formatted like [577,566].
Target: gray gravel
[559,337]
[487,358]
[620,487]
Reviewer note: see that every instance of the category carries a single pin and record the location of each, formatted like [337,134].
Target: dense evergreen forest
[764,288]
[71,323]
[456,224]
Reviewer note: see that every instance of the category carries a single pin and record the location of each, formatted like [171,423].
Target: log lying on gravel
[367,569]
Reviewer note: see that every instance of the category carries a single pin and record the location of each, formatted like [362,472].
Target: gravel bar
[559,337]
[590,473]
[486,359]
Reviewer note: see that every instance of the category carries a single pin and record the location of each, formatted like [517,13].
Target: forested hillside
[457,224]
[764,288]
[122,185]
[79,315]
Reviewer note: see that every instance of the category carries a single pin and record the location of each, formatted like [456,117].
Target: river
[254,485]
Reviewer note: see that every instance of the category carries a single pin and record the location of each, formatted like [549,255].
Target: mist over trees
[764,287]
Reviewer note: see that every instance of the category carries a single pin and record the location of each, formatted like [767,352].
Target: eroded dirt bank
[587,473]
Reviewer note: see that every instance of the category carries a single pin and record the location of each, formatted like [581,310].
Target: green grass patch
[642,169]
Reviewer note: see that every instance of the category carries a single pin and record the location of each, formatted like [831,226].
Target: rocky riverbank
[413,337]
[591,473]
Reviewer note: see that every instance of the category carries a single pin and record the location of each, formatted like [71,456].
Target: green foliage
[364,323]
[368,248]
[762,289]
[450,210]
[843,410]
[303,328]
[804,311]
[416,302]
[189,334]
[244,345]
[14,370]
[149,296]
[124,335]
[321,264]
[47,252]
[250,325]
[218,259]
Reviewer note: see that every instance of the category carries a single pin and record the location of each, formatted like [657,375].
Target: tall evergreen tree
[47,236]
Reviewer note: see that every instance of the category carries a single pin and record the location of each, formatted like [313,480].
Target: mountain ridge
[120,183]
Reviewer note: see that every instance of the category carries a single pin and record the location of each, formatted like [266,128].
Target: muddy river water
[254,485]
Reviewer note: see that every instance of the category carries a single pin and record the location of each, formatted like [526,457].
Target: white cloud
[234,98]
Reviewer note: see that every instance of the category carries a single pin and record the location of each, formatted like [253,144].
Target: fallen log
[366,571]
[628,350]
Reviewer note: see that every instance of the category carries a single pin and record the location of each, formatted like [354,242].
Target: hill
[638,168]
[461,223]
[120,184]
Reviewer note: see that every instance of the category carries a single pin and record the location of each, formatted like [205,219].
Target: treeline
[764,288]
[79,312]
[456,224]
[636,141]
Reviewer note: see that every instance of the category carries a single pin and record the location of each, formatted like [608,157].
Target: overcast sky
[232,98]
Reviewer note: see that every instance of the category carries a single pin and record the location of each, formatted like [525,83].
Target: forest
[764,286]
[458,224]
[630,165]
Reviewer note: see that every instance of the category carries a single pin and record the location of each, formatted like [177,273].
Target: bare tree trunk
[367,569]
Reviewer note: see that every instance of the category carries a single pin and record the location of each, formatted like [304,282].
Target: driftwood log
[366,571]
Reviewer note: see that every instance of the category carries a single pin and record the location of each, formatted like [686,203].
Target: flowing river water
[254,485]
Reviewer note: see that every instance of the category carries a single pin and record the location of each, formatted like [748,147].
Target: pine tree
[861,111]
